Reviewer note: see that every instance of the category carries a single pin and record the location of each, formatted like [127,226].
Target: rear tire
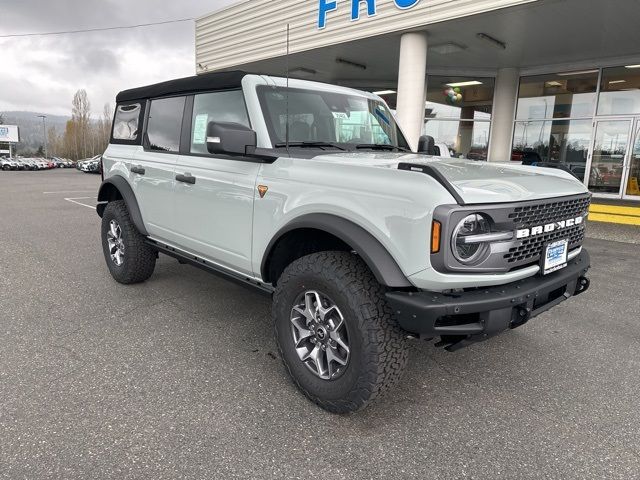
[128,257]
[377,351]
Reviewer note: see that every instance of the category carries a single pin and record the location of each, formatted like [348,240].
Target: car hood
[476,181]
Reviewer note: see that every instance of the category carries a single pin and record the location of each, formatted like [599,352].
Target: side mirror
[230,138]
[426,145]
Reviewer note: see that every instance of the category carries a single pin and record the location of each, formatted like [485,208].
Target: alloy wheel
[116,243]
[320,335]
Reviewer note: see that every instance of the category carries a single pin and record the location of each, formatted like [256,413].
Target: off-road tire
[139,258]
[378,347]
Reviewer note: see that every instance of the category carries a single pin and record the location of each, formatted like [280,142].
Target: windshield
[318,117]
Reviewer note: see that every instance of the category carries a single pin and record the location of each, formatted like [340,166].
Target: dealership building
[499,80]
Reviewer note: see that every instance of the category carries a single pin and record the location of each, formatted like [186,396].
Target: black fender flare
[375,255]
[126,192]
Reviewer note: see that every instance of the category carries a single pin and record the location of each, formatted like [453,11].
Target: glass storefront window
[619,91]
[564,142]
[464,98]
[458,114]
[609,153]
[560,95]
[464,139]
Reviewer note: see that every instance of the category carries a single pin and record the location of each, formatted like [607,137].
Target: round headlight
[465,251]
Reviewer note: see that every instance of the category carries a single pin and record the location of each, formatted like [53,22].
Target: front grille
[541,214]
[529,250]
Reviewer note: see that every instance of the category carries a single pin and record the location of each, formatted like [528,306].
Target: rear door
[152,168]
[214,213]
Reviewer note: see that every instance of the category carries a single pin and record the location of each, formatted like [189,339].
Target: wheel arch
[340,234]
[117,188]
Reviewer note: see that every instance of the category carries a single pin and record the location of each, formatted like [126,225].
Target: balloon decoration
[453,95]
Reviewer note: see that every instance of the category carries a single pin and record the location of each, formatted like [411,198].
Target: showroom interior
[548,81]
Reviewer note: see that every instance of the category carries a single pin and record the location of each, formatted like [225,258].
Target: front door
[214,195]
[214,214]
[609,157]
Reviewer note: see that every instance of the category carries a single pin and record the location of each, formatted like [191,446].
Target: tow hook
[582,285]
[520,317]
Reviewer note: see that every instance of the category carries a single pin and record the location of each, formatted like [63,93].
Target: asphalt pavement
[179,377]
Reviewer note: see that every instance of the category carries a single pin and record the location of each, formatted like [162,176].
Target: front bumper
[471,316]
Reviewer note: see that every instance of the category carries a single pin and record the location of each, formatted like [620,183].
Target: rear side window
[227,106]
[164,125]
[127,122]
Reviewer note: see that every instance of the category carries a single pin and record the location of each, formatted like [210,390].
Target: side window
[225,106]
[164,125]
[126,122]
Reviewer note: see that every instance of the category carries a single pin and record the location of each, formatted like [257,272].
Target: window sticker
[200,129]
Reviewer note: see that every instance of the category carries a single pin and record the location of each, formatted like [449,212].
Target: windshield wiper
[381,146]
[309,145]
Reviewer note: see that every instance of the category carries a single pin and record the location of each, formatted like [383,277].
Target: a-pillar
[505,98]
[412,70]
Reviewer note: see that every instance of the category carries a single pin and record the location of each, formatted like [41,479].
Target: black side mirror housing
[228,138]
[426,145]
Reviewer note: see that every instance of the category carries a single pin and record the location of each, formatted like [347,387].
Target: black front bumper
[475,315]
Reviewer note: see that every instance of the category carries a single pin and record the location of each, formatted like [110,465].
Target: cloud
[42,73]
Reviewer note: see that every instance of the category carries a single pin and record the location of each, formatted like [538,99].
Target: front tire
[128,257]
[335,331]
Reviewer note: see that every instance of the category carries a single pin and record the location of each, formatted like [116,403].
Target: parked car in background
[527,157]
[42,165]
[556,165]
[66,163]
[28,164]
[8,164]
[479,154]
[92,165]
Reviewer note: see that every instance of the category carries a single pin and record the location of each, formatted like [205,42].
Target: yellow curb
[621,219]
[619,210]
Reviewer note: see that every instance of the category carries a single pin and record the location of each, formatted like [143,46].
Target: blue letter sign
[355,8]
[325,7]
[404,4]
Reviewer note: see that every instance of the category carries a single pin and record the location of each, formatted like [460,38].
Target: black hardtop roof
[206,81]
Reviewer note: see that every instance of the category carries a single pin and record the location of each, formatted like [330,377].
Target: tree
[54,143]
[1,119]
[80,114]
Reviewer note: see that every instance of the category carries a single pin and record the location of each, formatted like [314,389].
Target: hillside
[31,128]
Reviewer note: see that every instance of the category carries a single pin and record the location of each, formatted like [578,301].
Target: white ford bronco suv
[309,193]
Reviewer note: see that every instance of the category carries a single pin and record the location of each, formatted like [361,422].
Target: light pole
[44,132]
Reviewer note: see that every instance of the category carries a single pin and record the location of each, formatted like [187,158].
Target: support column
[412,70]
[505,98]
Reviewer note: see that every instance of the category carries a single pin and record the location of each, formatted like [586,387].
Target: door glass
[227,106]
[634,165]
[165,122]
[609,151]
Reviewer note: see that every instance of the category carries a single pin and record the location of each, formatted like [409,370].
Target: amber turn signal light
[435,236]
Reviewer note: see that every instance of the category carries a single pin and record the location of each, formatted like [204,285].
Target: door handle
[186,178]
[137,169]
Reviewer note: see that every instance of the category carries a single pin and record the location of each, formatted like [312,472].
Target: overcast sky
[42,73]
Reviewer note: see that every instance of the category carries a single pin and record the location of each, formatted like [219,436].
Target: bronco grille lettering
[549,227]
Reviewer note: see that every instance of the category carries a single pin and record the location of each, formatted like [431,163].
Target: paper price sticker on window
[200,129]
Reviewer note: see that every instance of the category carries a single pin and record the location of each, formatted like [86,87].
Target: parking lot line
[69,191]
[74,200]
